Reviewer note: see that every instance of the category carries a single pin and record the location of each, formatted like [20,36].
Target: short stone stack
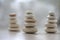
[51,26]
[13,23]
[30,24]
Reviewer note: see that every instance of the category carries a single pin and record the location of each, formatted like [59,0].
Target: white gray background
[40,9]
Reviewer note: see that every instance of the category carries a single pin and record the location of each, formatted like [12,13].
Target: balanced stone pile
[30,23]
[13,23]
[51,26]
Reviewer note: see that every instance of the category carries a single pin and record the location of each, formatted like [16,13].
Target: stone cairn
[13,23]
[51,26]
[30,23]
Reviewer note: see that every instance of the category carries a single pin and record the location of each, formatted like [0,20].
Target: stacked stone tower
[13,23]
[51,26]
[30,23]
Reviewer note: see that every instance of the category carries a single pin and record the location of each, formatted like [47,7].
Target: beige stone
[30,30]
[12,14]
[13,25]
[13,21]
[51,13]
[51,17]
[54,21]
[51,30]
[30,24]
[51,25]
[14,29]
[30,20]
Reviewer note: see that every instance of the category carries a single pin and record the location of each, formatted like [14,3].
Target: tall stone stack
[13,23]
[51,26]
[30,24]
